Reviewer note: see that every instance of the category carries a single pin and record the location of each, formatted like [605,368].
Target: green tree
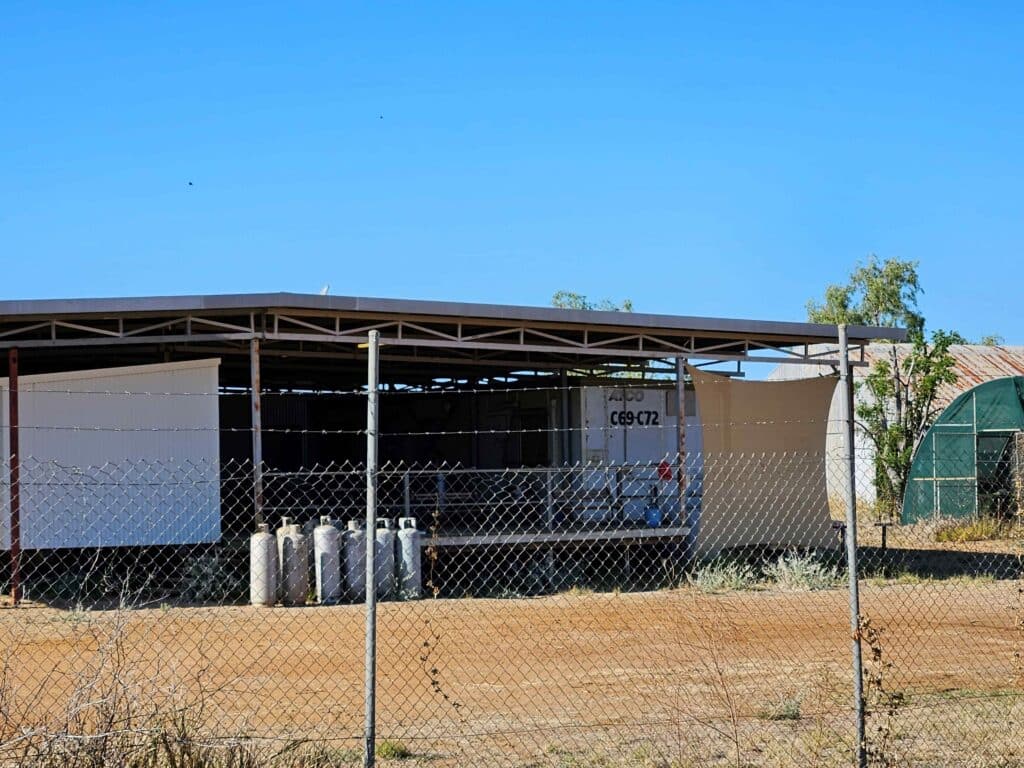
[898,395]
[572,300]
[877,293]
[989,340]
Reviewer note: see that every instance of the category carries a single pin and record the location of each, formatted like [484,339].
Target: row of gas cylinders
[281,563]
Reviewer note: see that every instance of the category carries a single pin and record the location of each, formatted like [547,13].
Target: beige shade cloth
[764,463]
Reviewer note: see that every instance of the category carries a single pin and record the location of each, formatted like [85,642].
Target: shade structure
[779,427]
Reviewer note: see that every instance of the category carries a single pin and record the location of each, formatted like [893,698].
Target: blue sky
[710,159]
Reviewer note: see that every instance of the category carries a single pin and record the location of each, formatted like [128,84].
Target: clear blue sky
[711,159]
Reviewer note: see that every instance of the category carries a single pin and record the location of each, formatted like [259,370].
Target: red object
[664,471]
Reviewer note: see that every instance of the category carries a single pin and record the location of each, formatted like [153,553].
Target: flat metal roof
[777,331]
[314,341]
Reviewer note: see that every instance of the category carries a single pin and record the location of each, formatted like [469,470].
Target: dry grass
[977,529]
[659,680]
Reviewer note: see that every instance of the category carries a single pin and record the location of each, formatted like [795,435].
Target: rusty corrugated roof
[975,364]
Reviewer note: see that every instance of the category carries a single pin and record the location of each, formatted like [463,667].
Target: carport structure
[419,337]
[296,342]
[296,346]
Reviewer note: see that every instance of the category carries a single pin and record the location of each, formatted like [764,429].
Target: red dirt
[517,673]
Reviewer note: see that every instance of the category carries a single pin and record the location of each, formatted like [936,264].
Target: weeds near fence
[430,667]
[882,706]
[787,708]
[431,554]
[984,528]
[716,631]
[795,571]
[389,749]
[1018,626]
[114,717]
[723,576]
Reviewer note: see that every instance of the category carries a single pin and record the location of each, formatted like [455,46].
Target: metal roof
[788,332]
[315,341]
[974,364]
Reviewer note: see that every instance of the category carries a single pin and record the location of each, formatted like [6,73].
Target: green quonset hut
[966,463]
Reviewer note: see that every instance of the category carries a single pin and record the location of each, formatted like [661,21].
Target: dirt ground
[530,681]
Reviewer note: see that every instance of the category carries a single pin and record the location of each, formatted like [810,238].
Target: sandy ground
[536,679]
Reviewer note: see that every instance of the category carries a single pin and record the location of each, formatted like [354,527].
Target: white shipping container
[631,430]
[103,466]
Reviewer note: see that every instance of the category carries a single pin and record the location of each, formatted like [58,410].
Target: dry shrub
[115,716]
[723,576]
[985,528]
[795,571]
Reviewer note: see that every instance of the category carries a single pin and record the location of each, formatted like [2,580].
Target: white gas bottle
[384,557]
[294,566]
[263,566]
[410,571]
[286,525]
[355,561]
[327,562]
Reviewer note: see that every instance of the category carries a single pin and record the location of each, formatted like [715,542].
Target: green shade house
[966,463]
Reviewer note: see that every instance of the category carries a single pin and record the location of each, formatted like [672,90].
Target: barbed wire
[627,383]
[441,432]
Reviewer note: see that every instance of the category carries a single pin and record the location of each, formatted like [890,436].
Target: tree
[899,393]
[989,340]
[878,293]
[992,340]
[572,300]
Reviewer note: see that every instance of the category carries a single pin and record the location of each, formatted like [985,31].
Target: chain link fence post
[850,497]
[372,381]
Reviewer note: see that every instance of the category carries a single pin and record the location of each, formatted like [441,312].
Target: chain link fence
[607,612]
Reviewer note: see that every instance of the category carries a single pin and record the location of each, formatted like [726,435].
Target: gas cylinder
[263,566]
[286,525]
[294,566]
[384,557]
[355,560]
[327,562]
[410,576]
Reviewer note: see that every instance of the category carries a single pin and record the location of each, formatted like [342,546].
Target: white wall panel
[103,464]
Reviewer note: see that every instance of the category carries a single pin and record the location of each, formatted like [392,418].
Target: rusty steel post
[682,479]
[257,429]
[15,473]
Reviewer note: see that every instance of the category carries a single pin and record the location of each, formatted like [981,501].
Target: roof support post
[14,470]
[681,437]
[257,429]
[563,380]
